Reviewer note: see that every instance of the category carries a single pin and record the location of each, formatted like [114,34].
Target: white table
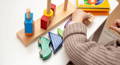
[12,52]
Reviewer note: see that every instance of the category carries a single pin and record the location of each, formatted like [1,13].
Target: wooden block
[44,44]
[60,17]
[56,41]
[45,22]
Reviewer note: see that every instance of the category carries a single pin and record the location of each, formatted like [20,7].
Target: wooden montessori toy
[28,23]
[56,41]
[52,17]
[44,44]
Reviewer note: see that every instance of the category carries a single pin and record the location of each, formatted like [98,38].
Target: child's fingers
[116,23]
[115,29]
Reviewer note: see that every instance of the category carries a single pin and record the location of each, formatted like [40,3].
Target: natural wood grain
[48,6]
[65,5]
[60,16]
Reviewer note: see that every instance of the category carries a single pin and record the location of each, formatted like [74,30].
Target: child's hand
[80,16]
[116,25]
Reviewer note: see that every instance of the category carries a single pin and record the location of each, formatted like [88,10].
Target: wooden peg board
[60,17]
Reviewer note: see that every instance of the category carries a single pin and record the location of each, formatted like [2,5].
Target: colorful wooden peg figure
[28,23]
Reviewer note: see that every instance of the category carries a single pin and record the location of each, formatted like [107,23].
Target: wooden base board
[60,16]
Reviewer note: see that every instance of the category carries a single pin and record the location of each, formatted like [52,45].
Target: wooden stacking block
[60,17]
[45,22]
[29,25]
[56,41]
[46,51]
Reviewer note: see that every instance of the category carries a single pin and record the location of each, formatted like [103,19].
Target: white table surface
[12,51]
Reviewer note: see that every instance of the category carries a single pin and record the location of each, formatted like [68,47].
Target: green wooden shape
[60,32]
[44,44]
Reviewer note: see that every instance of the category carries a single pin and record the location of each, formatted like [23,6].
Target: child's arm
[84,52]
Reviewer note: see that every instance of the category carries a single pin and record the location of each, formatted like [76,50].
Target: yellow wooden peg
[50,14]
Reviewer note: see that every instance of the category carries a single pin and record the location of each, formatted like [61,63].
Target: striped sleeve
[84,52]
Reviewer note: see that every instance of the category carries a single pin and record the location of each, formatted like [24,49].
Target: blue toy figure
[28,23]
[56,41]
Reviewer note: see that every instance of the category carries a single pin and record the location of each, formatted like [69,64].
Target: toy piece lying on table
[29,26]
[44,44]
[60,32]
[56,41]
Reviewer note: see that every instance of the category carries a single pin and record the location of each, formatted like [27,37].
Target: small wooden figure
[56,41]
[44,44]
[28,23]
